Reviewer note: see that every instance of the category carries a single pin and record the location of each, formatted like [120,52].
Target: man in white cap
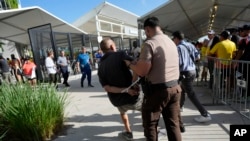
[210,35]
[213,39]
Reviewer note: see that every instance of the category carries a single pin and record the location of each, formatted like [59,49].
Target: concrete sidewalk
[90,116]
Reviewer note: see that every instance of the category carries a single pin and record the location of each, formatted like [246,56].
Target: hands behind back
[135,90]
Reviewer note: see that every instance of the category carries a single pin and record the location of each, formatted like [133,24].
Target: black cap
[225,34]
[245,27]
[178,34]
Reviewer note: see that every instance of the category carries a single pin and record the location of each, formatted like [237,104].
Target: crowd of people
[163,67]
[21,70]
[226,52]
[61,67]
[24,70]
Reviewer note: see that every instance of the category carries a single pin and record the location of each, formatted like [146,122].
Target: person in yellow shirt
[204,59]
[225,51]
[204,50]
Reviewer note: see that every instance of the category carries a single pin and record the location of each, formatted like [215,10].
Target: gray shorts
[205,64]
[137,106]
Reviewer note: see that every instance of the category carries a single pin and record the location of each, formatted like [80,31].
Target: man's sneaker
[162,133]
[203,119]
[90,85]
[126,135]
[182,128]
[182,109]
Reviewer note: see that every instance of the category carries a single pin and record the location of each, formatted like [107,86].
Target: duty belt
[165,85]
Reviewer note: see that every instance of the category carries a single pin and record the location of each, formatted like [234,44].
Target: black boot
[90,85]
[67,84]
[182,128]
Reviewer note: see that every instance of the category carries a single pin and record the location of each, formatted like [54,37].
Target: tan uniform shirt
[161,51]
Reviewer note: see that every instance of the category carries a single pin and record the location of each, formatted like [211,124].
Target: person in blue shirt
[98,57]
[84,65]
[188,54]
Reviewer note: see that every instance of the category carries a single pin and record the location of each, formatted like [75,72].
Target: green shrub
[30,114]
[13,4]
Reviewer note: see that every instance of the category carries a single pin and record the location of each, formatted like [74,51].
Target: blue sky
[71,10]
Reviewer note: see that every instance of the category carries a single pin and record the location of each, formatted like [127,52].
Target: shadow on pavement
[98,127]
[75,86]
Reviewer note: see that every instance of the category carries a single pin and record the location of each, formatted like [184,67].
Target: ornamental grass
[30,113]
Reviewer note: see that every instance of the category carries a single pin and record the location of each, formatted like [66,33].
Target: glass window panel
[105,26]
[116,28]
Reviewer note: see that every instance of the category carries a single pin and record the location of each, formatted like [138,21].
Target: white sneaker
[182,109]
[203,119]
[162,134]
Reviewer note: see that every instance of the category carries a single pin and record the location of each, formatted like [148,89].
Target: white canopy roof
[107,12]
[15,23]
[194,17]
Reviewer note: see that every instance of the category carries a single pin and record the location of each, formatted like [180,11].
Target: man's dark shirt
[245,46]
[4,67]
[114,72]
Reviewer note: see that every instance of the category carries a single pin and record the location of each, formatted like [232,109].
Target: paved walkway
[90,116]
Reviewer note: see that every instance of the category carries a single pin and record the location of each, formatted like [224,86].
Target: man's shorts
[137,106]
[205,64]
